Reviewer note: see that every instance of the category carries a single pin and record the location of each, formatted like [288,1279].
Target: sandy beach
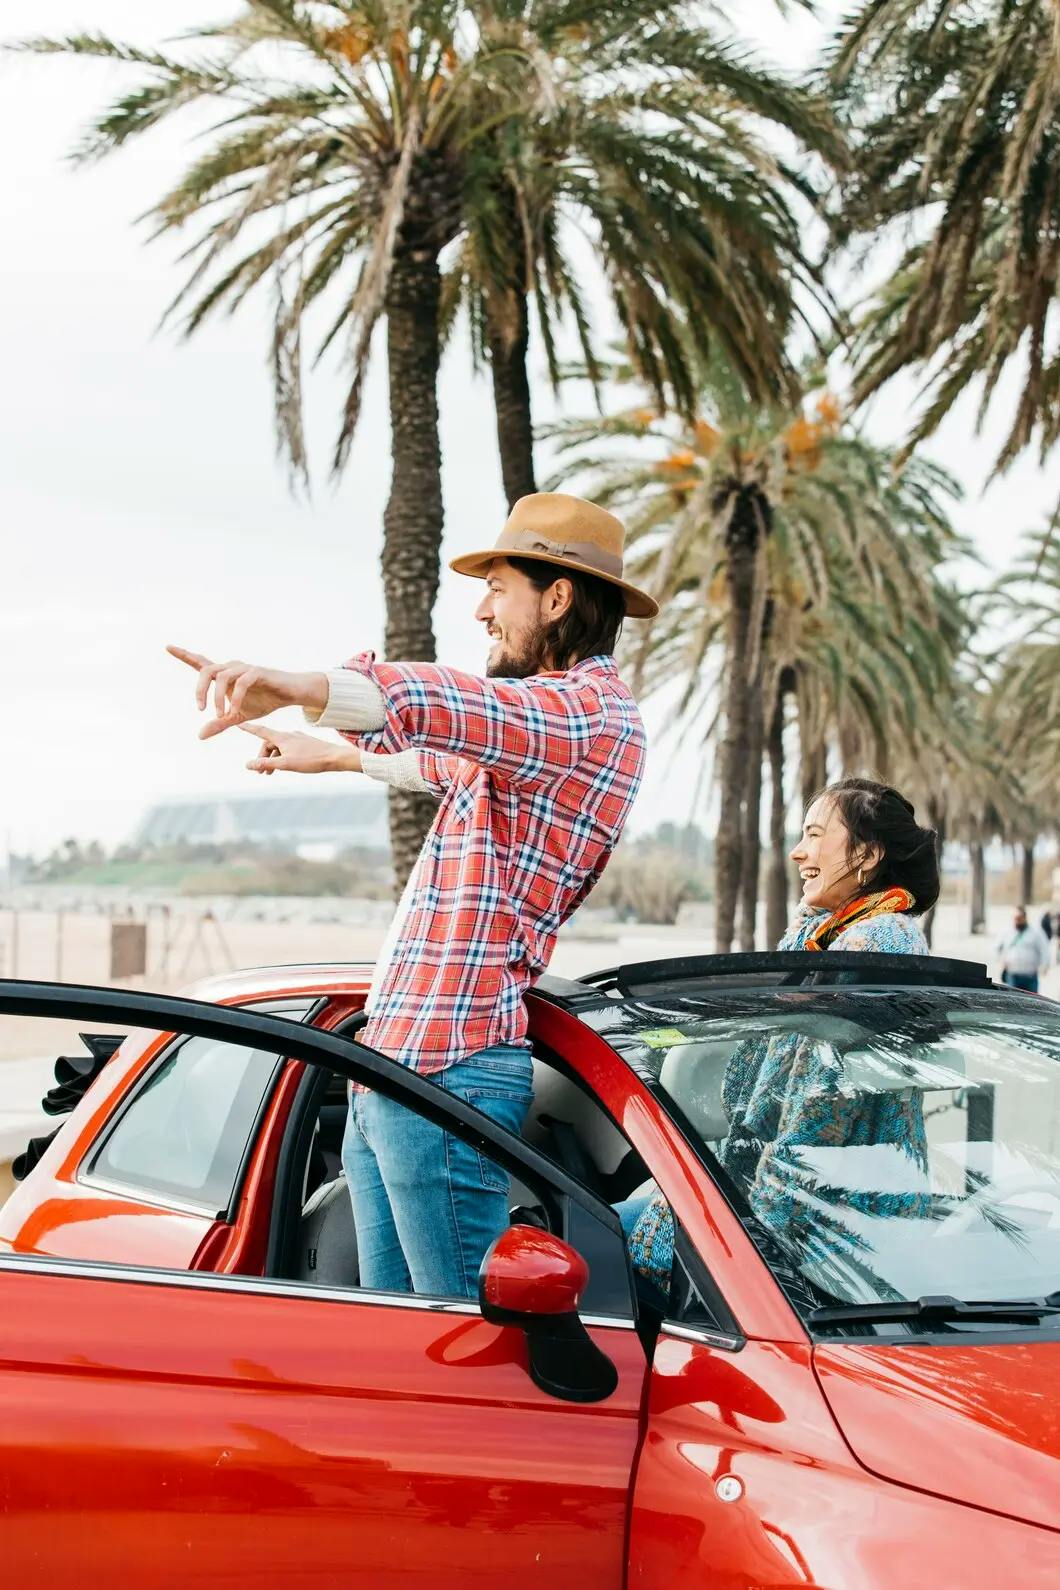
[181,953]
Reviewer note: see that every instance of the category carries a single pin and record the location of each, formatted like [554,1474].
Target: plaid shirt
[536,778]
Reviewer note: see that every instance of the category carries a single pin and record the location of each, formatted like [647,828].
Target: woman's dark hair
[875,814]
[591,625]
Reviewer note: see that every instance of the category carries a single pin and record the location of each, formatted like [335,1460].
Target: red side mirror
[528,1271]
[533,1279]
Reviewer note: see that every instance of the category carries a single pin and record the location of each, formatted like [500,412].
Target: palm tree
[358,142]
[1026,704]
[671,213]
[954,109]
[793,566]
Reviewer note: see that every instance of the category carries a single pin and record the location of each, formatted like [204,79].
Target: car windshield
[880,1145]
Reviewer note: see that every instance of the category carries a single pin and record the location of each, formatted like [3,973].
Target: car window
[185,1132]
[880,1147]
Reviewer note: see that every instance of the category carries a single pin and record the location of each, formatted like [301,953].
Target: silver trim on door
[205,1280]
[702,1335]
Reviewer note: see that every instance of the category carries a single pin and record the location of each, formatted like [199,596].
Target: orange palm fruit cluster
[803,437]
[707,438]
[678,461]
[352,41]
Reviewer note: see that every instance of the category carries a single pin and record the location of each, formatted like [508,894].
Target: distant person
[868,871]
[1024,953]
[535,769]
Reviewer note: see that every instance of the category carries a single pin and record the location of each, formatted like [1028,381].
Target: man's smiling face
[517,617]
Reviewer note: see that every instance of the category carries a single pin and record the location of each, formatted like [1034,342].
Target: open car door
[165,1427]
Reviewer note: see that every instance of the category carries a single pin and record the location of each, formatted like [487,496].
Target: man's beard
[530,658]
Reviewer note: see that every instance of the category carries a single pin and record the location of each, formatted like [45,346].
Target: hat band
[585,552]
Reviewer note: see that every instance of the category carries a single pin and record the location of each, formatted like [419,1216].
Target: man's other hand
[243,692]
[291,752]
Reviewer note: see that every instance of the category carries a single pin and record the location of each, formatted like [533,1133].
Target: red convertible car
[853,1381]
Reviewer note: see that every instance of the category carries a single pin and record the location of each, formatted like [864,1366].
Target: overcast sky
[140,497]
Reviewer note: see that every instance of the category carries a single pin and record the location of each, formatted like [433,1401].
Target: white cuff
[400,770]
[355,703]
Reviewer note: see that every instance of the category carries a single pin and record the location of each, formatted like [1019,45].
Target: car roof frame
[792,969]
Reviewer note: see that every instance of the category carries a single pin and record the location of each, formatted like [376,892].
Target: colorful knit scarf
[858,911]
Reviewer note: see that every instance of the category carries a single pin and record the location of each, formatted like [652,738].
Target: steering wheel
[997,1196]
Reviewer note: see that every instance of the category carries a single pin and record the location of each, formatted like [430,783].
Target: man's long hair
[591,625]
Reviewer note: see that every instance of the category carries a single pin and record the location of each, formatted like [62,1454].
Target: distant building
[314,825]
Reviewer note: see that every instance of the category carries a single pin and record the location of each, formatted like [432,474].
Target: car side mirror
[534,1280]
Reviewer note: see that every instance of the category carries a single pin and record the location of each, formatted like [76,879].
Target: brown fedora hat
[551,527]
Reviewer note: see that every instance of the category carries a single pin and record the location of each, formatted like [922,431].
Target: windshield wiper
[945,1310]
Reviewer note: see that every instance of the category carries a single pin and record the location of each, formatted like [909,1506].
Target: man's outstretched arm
[528,731]
[286,751]
[243,692]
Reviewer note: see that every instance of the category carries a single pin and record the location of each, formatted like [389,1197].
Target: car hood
[979,1424]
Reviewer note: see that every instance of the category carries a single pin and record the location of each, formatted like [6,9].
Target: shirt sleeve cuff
[401,769]
[355,703]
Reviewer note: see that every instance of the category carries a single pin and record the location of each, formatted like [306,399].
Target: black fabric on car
[33,1153]
[74,1075]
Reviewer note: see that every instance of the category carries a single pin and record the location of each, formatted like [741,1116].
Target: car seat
[326,1250]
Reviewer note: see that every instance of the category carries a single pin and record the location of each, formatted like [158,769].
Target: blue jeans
[427,1206]
[1028,981]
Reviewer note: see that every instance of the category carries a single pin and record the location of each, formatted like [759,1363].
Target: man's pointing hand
[243,692]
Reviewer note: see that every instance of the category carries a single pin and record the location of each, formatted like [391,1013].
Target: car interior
[319,1245]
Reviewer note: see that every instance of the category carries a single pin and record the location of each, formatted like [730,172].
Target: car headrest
[692,1074]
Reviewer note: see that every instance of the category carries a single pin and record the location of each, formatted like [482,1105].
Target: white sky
[140,498]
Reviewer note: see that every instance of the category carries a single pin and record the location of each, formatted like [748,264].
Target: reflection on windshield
[786,1102]
[887,1146]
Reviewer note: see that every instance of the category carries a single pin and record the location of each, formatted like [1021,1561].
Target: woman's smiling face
[829,874]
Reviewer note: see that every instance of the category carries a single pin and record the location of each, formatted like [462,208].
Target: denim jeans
[427,1206]
[1028,981]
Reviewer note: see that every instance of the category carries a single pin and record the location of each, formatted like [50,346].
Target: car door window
[332,1240]
[184,1134]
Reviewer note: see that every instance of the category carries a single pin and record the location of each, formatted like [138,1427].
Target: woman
[868,871]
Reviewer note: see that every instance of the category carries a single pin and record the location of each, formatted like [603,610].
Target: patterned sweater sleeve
[528,731]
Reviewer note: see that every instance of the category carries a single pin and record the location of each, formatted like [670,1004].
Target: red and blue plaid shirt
[536,778]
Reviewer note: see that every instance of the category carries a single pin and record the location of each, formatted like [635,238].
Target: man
[536,768]
[1024,953]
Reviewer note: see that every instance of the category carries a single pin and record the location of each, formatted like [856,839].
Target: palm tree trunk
[734,751]
[777,881]
[978,912]
[412,522]
[814,772]
[511,400]
[1027,875]
[937,819]
[751,861]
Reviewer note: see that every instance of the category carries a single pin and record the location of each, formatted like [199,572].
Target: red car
[853,1382]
